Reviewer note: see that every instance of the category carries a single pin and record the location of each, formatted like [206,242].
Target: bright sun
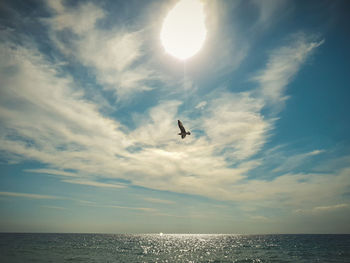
[183,31]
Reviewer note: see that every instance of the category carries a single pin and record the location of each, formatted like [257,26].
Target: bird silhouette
[183,132]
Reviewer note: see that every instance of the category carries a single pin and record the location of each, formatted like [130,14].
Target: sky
[89,103]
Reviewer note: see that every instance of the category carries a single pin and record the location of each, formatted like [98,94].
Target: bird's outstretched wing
[182,129]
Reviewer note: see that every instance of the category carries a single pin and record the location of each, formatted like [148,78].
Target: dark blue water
[173,248]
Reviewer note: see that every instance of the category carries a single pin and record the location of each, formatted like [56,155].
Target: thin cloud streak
[29,196]
[51,172]
[144,209]
[291,162]
[158,201]
[93,183]
[54,207]
[323,209]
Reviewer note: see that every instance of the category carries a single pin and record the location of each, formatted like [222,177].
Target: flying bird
[183,132]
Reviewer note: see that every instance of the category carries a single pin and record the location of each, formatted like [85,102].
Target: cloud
[201,105]
[51,171]
[235,125]
[231,124]
[260,218]
[323,209]
[294,190]
[93,183]
[144,209]
[290,162]
[330,208]
[157,128]
[158,201]
[111,54]
[54,207]
[46,119]
[79,20]
[269,10]
[282,66]
[29,196]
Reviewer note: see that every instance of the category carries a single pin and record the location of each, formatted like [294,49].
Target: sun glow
[183,31]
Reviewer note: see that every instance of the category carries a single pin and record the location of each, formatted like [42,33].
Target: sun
[183,31]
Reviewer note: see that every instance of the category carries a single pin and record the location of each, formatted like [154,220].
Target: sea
[16,247]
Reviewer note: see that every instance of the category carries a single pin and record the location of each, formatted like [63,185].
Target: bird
[183,132]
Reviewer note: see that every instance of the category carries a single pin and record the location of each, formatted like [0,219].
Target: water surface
[173,248]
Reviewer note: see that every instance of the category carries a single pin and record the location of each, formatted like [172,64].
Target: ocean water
[173,248]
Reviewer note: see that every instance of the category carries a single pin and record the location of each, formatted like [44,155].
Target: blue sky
[89,103]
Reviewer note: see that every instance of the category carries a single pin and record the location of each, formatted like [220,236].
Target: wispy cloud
[54,207]
[144,209]
[80,20]
[114,61]
[323,209]
[52,124]
[29,196]
[94,183]
[291,162]
[51,171]
[283,64]
[158,201]
[294,190]
[331,207]
[259,218]
[269,11]
[201,105]
[234,123]
[44,117]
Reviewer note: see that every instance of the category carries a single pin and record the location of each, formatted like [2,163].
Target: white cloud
[29,196]
[316,152]
[294,190]
[158,201]
[331,207]
[51,171]
[269,10]
[283,64]
[158,127]
[288,163]
[54,207]
[323,209]
[79,20]
[259,218]
[93,183]
[201,105]
[144,209]
[234,124]
[45,119]
[111,54]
